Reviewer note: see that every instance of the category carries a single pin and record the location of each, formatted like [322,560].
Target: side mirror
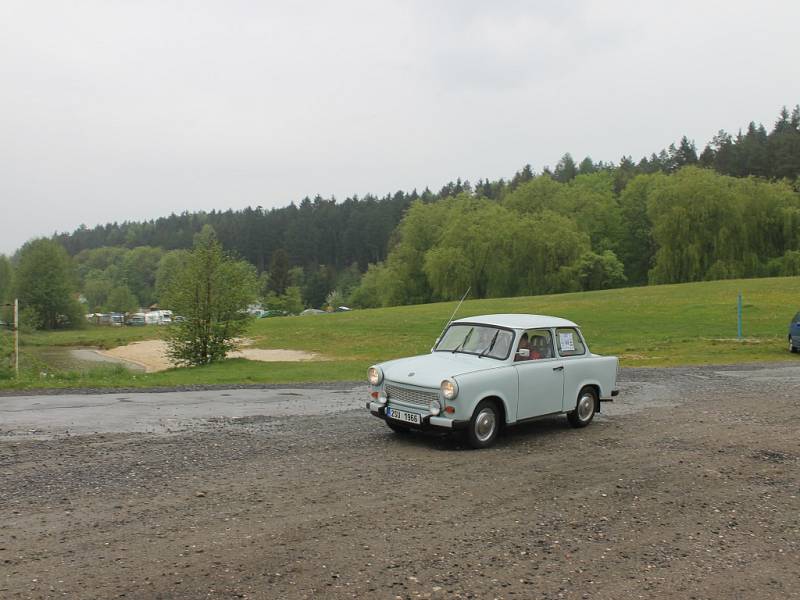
[524,353]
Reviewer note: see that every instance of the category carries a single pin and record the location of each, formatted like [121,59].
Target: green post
[740,315]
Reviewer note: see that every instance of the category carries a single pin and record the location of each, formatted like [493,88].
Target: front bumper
[429,422]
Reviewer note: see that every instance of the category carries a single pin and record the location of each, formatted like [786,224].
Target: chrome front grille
[409,396]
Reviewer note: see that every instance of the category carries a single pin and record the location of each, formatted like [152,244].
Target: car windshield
[482,340]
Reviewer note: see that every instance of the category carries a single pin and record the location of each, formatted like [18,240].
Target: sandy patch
[151,355]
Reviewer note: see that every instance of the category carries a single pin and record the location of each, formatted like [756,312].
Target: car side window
[539,344]
[569,342]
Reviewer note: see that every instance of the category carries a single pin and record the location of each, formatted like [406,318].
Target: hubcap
[485,424]
[585,407]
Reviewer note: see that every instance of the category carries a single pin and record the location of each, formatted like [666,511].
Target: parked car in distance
[163,317]
[492,371]
[794,334]
[137,320]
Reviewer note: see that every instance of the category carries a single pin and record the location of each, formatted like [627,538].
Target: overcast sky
[113,110]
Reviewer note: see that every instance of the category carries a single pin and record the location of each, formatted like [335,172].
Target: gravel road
[688,486]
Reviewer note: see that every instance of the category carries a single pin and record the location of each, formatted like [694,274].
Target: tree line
[548,237]
[676,215]
[209,290]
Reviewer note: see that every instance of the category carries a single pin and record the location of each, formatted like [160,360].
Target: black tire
[585,408]
[792,347]
[397,427]
[484,425]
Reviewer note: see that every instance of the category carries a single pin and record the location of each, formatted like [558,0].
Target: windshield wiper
[466,339]
[491,345]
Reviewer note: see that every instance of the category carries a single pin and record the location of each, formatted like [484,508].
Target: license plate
[401,415]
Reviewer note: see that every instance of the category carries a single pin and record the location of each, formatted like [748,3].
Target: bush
[6,354]
[212,294]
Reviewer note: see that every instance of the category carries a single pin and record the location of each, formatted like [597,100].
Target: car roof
[518,321]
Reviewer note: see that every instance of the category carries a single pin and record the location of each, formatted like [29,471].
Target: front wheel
[584,408]
[484,425]
[792,347]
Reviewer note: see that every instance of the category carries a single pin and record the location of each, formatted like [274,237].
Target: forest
[732,210]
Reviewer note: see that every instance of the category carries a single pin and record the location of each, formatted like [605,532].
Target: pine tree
[522,176]
[707,157]
[783,124]
[586,166]
[686,154]
[565,169]
[279,271]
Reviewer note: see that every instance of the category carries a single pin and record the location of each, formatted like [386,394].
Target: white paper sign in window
[566,342]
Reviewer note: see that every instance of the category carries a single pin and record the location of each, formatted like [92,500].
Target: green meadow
[654,326]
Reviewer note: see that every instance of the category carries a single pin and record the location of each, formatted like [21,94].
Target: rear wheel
[484,425]
[792,347]
[584,408]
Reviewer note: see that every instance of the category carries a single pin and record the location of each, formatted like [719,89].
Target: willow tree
[710,226]
[211,294]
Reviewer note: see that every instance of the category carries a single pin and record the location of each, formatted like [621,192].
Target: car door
[541,378]
[575,355]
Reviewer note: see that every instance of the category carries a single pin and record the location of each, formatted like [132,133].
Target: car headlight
[449,389]
[435,407]
[375,375]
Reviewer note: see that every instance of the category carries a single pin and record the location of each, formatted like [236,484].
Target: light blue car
[490,371]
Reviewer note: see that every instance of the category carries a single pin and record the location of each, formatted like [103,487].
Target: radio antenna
[456,310]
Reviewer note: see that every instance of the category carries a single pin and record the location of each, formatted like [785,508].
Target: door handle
[561,368]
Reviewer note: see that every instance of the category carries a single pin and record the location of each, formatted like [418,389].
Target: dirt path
[151,355]
[689,490]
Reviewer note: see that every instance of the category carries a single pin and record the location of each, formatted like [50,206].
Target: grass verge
[668,325]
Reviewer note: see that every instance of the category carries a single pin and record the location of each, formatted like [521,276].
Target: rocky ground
[688,487]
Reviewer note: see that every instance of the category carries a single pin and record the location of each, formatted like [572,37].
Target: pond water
[70,359]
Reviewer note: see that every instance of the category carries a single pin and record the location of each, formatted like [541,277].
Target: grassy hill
[664,325]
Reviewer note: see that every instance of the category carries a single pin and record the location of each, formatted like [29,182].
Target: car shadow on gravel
[531,432]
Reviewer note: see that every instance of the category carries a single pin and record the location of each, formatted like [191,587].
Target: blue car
[794,334]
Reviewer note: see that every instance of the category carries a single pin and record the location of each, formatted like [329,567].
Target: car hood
[428,370]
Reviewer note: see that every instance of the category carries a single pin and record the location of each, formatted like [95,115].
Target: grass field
[666,325]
